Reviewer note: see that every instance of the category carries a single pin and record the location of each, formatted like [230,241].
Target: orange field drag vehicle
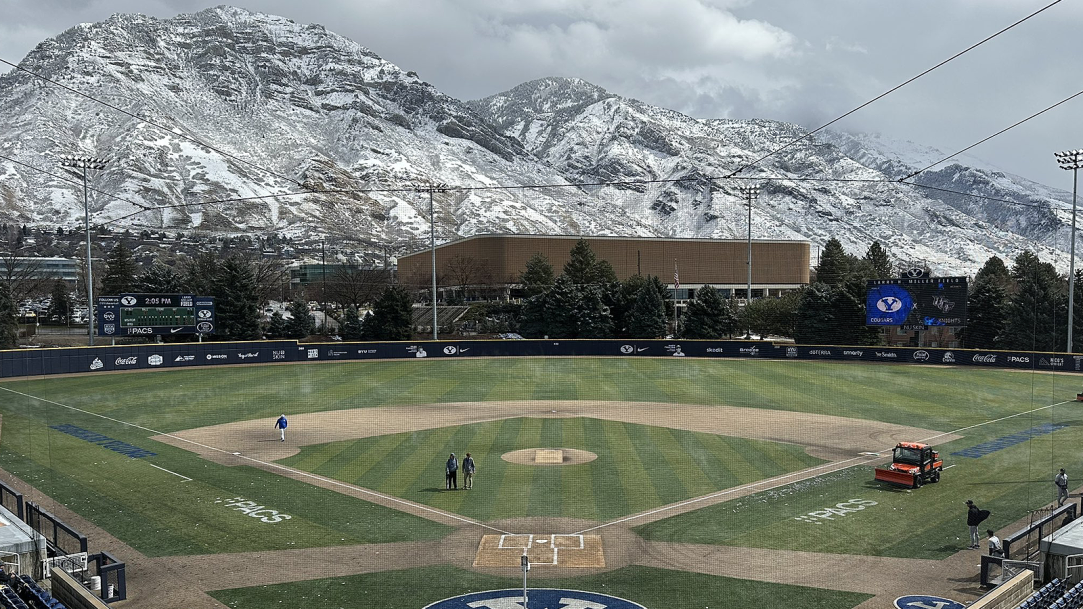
[912,464]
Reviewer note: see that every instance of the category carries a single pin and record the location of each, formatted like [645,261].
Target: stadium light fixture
[85,164]
[1071,160]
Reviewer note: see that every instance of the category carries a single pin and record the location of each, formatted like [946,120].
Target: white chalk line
[778,481]
[269,464]
[186,478]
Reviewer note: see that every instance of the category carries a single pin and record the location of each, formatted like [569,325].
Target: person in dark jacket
[451,473]
[468,471]
[974,517]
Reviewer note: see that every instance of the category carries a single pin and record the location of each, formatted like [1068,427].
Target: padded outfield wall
[45,362]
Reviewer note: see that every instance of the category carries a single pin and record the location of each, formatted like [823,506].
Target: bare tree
[353,286]
[24,276]
[466,271]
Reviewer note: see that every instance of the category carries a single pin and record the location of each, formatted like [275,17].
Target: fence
[1023,546]
[182,355]
[12,500]
[60,538]
[111,571]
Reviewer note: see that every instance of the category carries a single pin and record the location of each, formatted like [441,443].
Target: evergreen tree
[60,305]
[236,303]
[647,319]
[1038,302]
[392,316]
[532,322]
[350,328]
[160,279]
[9,325]
[709,316]
[576,311]
[200,272]
[772,316]
[879,262]
[834,264]
[301,324]
[584,268]
[816,316]
[277,326]
[622,299]
[120,271]
[537,277]
[987,306]
[849,312]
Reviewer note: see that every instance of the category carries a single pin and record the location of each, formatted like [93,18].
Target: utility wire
[888,92]
[69,180]
[982,141]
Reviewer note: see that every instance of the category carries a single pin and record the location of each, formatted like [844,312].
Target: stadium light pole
[1071,160]
[432,188]
[84,164]
[750,192]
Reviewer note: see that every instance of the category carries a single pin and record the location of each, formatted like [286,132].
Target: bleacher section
[25,593]
[445,317]
[1055,595]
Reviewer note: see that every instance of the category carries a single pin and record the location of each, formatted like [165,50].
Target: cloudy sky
[794,60]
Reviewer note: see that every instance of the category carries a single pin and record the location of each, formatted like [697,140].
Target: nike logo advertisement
[175,330]
[641,349]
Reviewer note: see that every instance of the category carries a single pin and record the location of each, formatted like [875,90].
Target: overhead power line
[986,139]
[889,91]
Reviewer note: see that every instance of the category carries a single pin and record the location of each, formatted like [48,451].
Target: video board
[916,302]
[155,314]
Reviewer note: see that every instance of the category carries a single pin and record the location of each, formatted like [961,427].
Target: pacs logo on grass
[546,598]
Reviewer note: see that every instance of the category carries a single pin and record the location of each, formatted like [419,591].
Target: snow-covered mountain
[227,120]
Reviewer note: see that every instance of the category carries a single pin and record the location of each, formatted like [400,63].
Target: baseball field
[668,482]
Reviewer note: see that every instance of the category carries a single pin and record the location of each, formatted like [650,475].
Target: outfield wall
[78,360]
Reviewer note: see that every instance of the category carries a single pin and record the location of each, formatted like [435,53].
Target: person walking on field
[1062,487]
[280,425]
[974,517]
[468,471]
[451,473]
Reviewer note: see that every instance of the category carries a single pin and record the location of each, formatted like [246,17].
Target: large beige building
[498,260]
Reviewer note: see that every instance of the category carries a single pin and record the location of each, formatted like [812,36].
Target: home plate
[542,550]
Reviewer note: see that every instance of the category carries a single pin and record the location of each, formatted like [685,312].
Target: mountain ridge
[325,113]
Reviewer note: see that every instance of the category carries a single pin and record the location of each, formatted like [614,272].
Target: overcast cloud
[793,60]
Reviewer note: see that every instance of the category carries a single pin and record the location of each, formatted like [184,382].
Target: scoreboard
[155,314]
[916,302]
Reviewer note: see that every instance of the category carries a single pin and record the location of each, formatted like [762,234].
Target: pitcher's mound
[549,456]
[543,550]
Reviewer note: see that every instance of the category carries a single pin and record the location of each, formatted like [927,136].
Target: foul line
[186,478]
[296,472]
[778,481]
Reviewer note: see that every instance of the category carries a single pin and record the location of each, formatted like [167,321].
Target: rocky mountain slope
[239,122]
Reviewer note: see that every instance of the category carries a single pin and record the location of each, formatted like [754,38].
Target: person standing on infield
[1062,487]
[451,476]
[974,517]
[468,471]
[280,425]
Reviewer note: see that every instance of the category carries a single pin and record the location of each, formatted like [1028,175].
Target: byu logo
[538,597]
[926,602]
[889,304]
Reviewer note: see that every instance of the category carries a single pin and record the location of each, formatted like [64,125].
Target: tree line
[1022,307]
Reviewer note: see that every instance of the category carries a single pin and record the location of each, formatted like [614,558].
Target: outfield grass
[638,467]
[653,588]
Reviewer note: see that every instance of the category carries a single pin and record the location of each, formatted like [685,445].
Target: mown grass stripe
[664,479]
[609,493]
[576,490]
[692,480]
[520,477]
[730,459]
[489,490]
[545,496]
[638,490]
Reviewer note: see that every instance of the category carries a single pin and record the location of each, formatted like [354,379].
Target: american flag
[676,277]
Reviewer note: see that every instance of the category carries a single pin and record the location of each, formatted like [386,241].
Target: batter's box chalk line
[543,542]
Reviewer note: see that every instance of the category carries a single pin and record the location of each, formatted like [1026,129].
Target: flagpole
[676,284]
